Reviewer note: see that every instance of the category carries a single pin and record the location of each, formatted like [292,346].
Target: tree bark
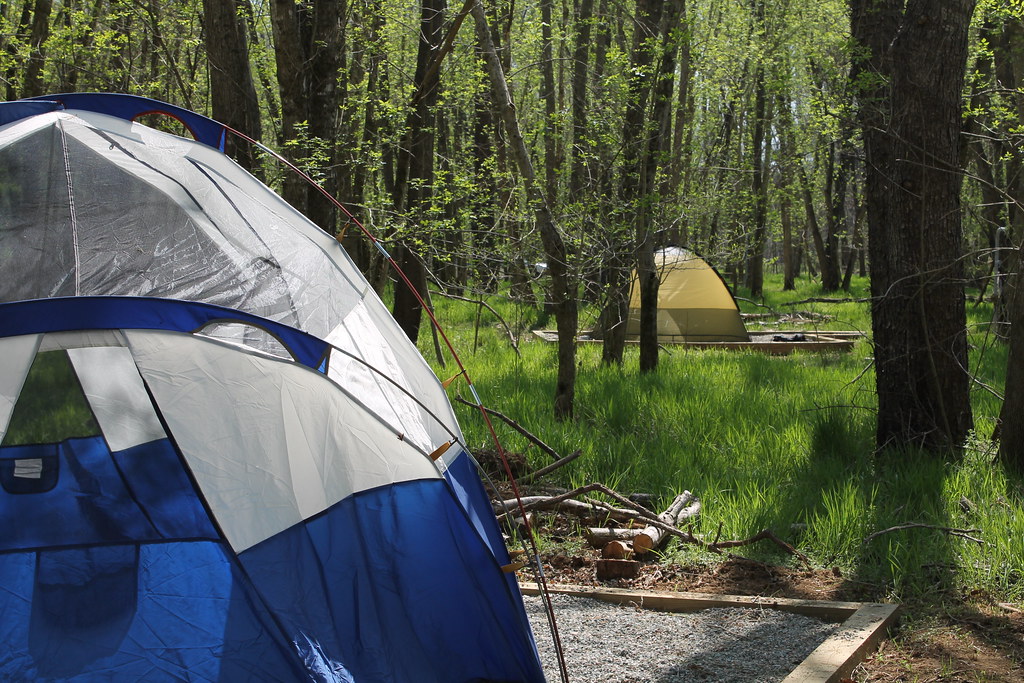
[232,91]
[564,298]
[33,84]
[633,206]
[581,148]
[1009,58]
[413,190]
[290,36]
[655,158]
[547,94]
[910,114]
[759,186]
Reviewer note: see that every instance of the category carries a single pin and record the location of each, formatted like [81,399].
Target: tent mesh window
[51,408]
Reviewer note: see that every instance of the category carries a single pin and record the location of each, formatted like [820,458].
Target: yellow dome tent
[694,303]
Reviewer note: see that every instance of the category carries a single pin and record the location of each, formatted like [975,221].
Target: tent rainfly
[694,303]
[218,452]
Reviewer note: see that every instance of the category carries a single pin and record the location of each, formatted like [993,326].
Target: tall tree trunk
[784,130]
[581,148]
[416,163]
[232,91]
[33,86]
[325,57]
[655,158]
[547,94]
[835,195]
[910,114]
[291,35]
[1009,58]
[564,298]
[759,186]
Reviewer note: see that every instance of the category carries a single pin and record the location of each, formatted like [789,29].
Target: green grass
[51,406]
[784,443]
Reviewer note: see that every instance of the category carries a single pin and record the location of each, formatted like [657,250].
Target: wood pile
[621,530]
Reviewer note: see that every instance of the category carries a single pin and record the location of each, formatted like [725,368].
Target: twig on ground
[825,300]
[764,534]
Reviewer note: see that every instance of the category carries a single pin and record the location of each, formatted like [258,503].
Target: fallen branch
[516,426]
[962,533]
[825,300]
[550,468]
[765,534]
[510,507]
[635,512]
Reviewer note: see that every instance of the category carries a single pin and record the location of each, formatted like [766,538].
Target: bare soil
[951,637]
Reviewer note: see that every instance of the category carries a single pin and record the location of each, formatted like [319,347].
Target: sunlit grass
[784,443]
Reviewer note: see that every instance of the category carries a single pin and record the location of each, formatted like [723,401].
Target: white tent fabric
[200,228]
[353,450]
[17,354]
[118,398]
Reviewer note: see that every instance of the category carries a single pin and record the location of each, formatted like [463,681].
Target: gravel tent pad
[631,636]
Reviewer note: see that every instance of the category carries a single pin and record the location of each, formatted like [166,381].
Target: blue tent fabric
[401,576]
[146,313]
[148,612]
[98,497]
[21,109]
[114,568]
[131,107]
[116,572]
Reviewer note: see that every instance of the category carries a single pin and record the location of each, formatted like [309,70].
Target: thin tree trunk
[631,210]
[581,149]
[564,298]
[547,94]
[657,147]
[759,186]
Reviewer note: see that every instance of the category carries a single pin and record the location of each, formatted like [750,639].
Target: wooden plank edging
[863,624]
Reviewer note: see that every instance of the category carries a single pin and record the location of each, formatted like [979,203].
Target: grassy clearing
[765,442]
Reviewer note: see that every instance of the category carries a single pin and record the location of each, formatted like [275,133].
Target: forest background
[868,150]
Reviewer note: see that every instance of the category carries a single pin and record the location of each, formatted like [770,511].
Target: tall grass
[784,443]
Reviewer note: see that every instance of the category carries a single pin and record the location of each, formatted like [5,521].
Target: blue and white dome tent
[218,451]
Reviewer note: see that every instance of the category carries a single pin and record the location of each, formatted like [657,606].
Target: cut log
[599,537]
[617,569]
[616,550]
[683,507]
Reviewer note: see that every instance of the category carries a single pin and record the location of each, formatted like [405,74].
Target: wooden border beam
[863,624]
